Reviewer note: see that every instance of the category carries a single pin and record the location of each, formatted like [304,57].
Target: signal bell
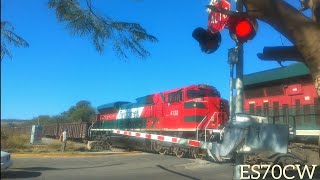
[208,41]
[242,28]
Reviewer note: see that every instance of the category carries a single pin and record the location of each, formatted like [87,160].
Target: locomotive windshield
[202,93]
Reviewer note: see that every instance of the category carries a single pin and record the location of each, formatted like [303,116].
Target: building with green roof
[293,71]
[285,95]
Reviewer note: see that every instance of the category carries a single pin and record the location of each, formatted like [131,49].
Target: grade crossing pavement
[118,166]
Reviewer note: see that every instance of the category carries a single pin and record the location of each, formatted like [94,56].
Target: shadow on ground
[50,168]
[20,174]
[180,174]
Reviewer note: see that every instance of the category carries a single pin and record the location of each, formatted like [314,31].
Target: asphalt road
[129,166]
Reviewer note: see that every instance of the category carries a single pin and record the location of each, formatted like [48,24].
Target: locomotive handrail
[205,128]
[199,126]
[89,129]
[212,117]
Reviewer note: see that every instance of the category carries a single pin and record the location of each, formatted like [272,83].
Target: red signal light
[242,29]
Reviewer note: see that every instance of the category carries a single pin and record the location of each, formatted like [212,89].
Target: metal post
[239,159]
[231,91]
[232,60]
[239,93]
[194,113]
[239,70]
[239,80]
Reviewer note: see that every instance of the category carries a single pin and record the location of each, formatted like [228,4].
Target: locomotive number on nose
[174,113]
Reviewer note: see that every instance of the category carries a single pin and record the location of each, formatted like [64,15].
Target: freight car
[287,96]
[180,120]
[76,131]
[51,130]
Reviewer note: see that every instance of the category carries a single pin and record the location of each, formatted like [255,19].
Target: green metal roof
[294,70]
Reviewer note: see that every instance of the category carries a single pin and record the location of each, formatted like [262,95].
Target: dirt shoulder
[51,148]
[19,146]
[71,154]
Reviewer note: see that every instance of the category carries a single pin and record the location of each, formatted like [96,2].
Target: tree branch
[296,27]
[314,6]
[93,13]
[84,21]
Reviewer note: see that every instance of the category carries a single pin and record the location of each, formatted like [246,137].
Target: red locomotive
[193,113]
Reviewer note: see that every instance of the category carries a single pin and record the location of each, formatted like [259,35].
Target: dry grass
[54,145]
[13,143]
[20,143]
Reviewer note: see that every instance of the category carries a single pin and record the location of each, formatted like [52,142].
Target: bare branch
[314,6]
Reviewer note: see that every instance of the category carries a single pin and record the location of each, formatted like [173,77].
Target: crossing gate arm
[170,139]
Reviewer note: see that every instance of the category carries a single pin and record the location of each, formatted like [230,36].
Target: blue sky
[58,69]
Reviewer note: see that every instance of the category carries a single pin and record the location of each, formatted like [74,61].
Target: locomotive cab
[206,109]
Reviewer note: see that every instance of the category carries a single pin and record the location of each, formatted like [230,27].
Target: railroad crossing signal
[208,41]
[242,28]
[216,20]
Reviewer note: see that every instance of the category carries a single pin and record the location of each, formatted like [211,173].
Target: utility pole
[232,60]
[239,69]
[235,59]
[239,158]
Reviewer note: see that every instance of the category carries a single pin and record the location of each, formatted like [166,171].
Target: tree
[303,32]
[81,112]
[8,37]
[41,119]
[84,22]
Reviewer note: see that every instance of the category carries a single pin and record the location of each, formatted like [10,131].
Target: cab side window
[175,97]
